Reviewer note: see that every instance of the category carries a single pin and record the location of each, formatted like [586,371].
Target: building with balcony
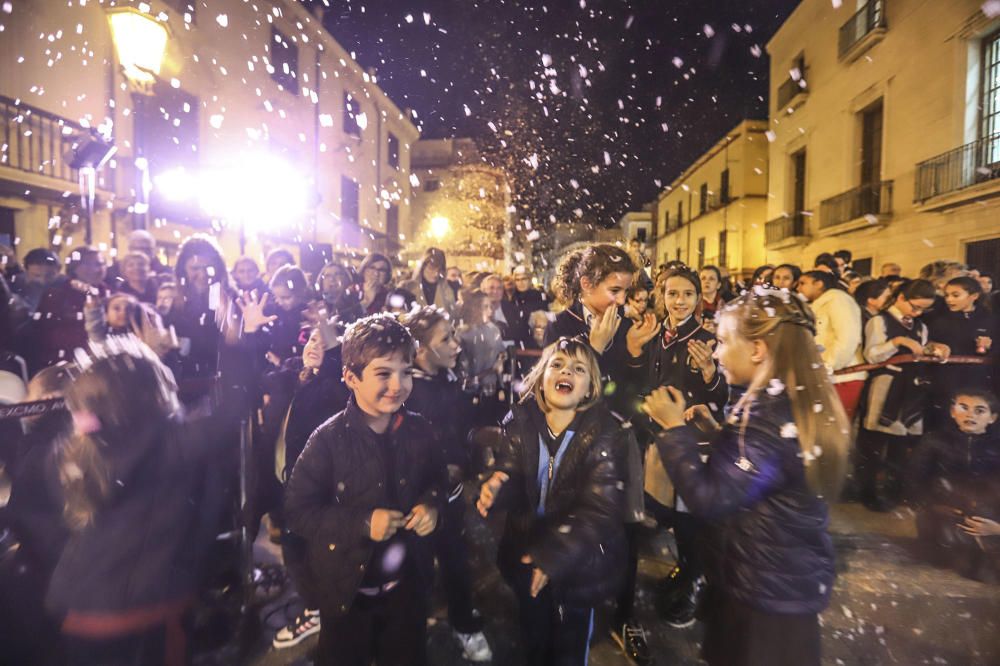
[250,123]
[714,213]
[462,205]
[892,147]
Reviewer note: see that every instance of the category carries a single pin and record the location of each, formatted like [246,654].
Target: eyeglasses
[917,310]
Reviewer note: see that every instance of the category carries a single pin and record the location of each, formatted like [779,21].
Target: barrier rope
[916,358]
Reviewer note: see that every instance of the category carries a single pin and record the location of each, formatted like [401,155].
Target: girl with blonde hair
[782,450]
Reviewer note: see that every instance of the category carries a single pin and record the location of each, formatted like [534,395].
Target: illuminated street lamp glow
[440,226]
[140,41]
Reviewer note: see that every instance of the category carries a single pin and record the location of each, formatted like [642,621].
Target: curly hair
[595,263]
[205,246]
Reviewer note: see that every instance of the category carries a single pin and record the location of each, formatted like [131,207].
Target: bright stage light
[262,192]
[176,185]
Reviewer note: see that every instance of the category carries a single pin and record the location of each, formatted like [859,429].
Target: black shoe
[681,614]
[631,638]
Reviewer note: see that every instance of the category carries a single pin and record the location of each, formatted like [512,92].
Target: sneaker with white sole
[303,626]
[475,648]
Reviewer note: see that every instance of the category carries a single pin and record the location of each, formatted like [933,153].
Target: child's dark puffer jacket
[579,541]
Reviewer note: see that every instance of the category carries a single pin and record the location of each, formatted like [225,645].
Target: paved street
[887,607]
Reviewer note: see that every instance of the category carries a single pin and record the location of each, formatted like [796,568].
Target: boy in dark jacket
[953,480]
[367,487]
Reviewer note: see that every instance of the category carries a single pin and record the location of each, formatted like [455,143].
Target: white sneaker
[306,624]
[474,647]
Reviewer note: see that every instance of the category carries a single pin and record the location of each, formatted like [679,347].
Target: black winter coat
[148,544]
[952,468]
[316,400]
[771,530]
[517,310]
[440,400]
[613,361]
[336,484]
[579,541]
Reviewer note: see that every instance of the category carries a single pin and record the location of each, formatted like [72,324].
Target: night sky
[593,106]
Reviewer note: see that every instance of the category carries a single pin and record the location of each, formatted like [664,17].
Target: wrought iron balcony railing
[785,227]
[968,165]
[866,20]
[36,141]
[872,199]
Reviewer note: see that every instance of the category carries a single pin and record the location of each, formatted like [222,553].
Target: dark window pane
[393,151]
[284,61]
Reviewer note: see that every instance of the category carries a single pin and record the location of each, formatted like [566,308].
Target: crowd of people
[386,410]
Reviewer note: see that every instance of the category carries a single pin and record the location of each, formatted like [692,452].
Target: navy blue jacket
[771,531]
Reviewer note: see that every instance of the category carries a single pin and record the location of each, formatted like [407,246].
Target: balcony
[786,231]
[39,143]
[861,207]
[792,93]
[965,174]
[862,31]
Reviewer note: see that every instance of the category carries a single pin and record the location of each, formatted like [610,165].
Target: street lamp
[140,41]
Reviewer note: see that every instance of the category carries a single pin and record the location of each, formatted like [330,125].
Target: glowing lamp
[440,226]
[140,41]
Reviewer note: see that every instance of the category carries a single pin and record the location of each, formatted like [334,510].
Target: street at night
[441,332]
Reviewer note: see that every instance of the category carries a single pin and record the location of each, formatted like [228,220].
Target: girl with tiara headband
[782,450]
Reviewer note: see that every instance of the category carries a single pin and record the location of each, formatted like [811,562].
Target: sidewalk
[887,607]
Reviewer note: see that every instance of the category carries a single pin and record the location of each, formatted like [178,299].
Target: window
[984,255]
[724,188]
[862,266]
[871,144]
[701,253]
[640,234]
[723,248]
[351,111]
[666,221]
[680,213]
[393,151]
[432,185]
[799,182]
[392,227]
[284,61]
[990,125]
[703,198]
[678,255]
[350,200]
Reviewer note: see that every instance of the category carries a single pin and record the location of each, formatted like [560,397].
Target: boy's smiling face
[972,414]
[384,384]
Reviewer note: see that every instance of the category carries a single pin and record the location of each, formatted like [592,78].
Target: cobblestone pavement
[888,607]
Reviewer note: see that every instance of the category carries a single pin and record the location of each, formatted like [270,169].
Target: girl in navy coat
[783,448]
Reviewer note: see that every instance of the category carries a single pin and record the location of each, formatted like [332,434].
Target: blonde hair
[574,349]
[787,326]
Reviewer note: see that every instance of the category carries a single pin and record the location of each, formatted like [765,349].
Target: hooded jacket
[770,528]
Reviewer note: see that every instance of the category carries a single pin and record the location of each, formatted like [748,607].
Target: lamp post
[140,42]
